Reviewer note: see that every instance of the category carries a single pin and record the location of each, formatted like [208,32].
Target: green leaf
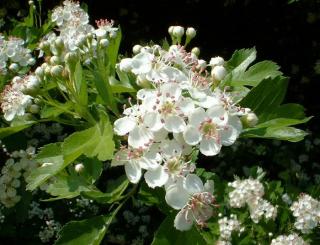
[4,132]
[88,231]
[94,141]
[241,59]
[153,197]
[291,110]
[68,186]
[280,133]
[267,96]
[168,235]
[114,192]
[80,85]
[280,122]
[51,154]
[255,74]
[52,112]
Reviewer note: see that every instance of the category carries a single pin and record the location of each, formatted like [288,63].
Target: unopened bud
[104,42]
[14,67]
[55,60]
[142,81]
[170,30]
[79,167]
[39,72]
[34,109]
[71,58]
[202,64]
[250,119]
[136,49]
[191,32]
[216,61]
[196,51]
[59,43]
[56,71]
[31,61]
[218,73]
[125,64]
[178,31]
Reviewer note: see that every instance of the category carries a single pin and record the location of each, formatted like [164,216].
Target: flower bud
[56,71]
[59,43]
[113,34]
[218,73]
[47,71]
[191,33]
[31,61]
[55,60]
[136,49]
[178,31]
[45,45]
[104,42]
[142,81]
[216,61]
[14,67]
[250,119]
[202,64]
[71,57]
[196,51]
[34,109]
[170,30]
[39,72]
[79,167]
[125,65]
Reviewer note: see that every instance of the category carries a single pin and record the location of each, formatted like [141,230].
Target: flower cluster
[227,226]
[15,99]
[21,163]
[307,213]
[250,192]
[180,109]
[14,55]
[292,239]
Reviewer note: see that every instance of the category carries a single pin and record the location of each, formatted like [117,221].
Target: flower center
[174,165]
[167,108]
[208,129]
[135,153]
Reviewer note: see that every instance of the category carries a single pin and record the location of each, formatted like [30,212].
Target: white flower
[174,165]
[212,129]
[190,195]
[134,160]
[307,213]
[168,108]
[138,124]
[14,102]
[292,239]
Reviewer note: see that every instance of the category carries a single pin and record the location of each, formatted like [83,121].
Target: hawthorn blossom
[168,107]
[135,160]
[212,129]
[195,201]
[13,102]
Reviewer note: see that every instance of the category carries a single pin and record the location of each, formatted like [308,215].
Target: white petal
[191,135]
[9,115]
[208,101]
[152,120]
[176,196]
[174,124]
[144,93]
[193,184]
[120,158]
[197,117]
[139,137]
[209,147]
[232,131]
[171,148]
[218,114]
[133,171]
[160,135]
[171,89]
[124,125]
[141,63]
[183,221]
[156,177]
[186,149]
[186,106]
[125,65]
